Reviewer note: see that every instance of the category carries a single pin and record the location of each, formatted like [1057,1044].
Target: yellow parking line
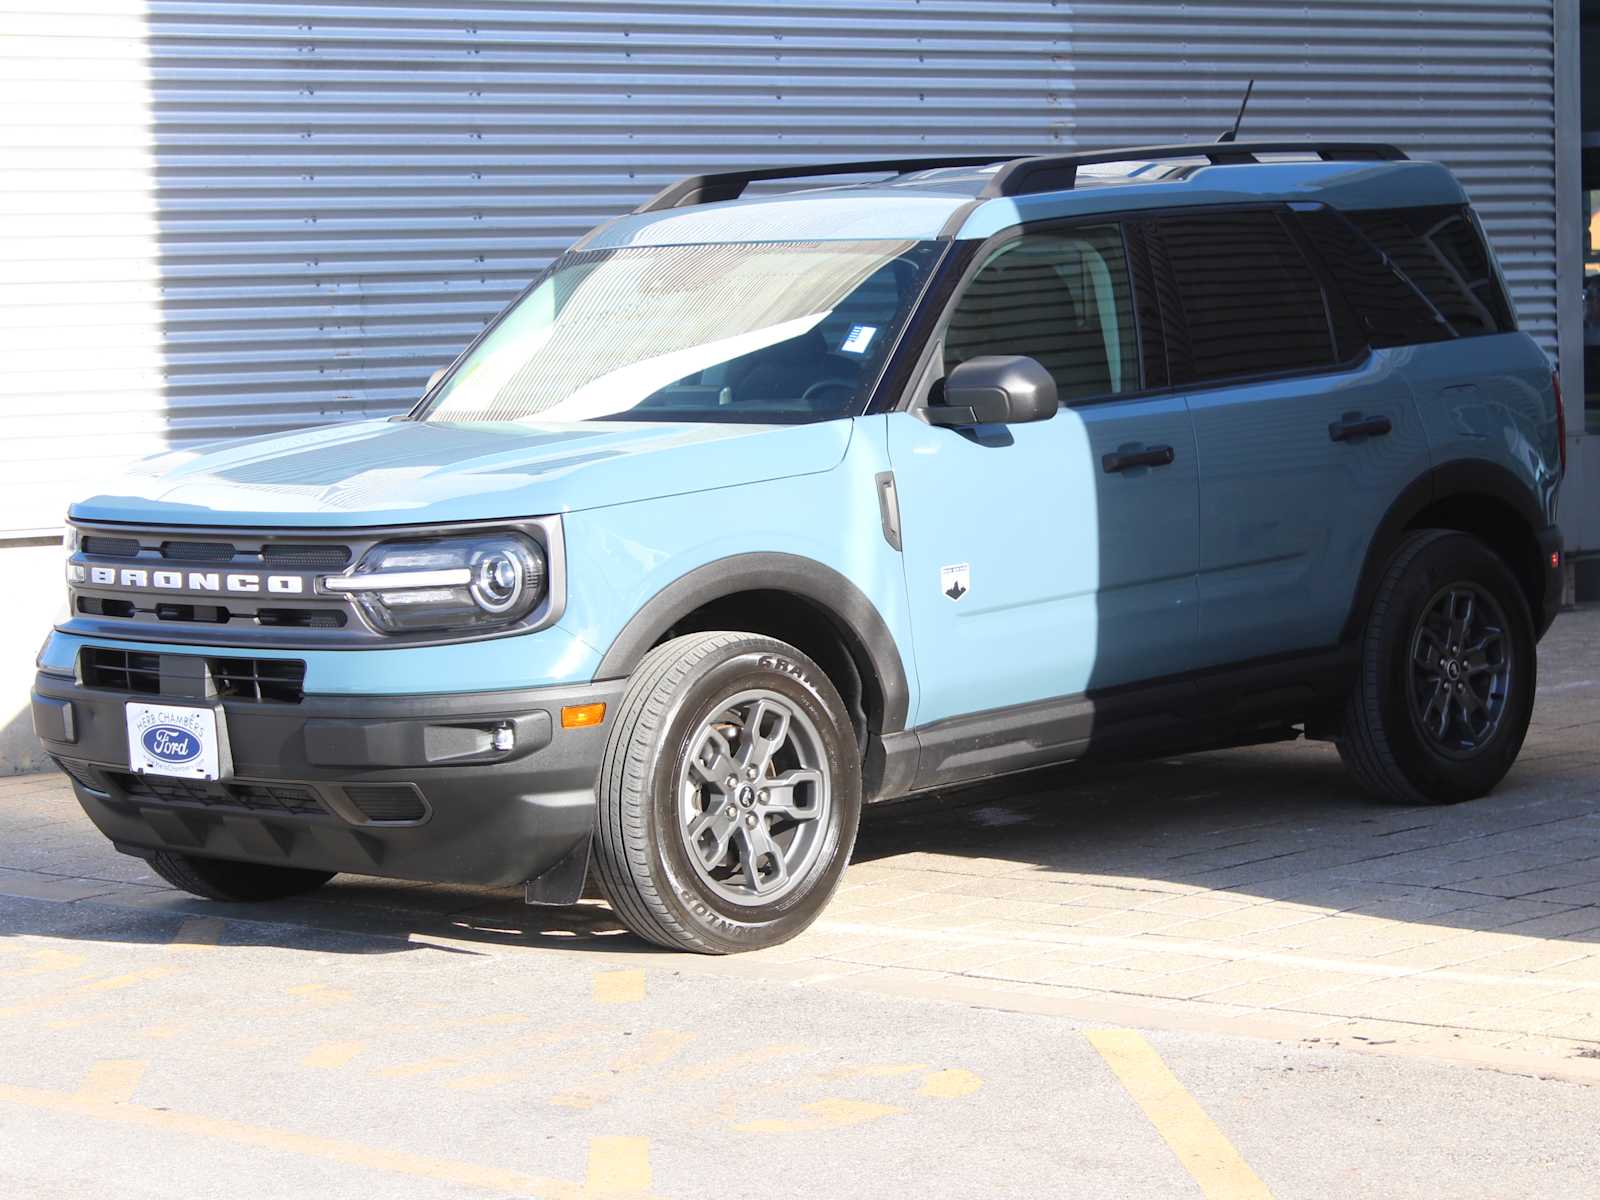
[113,1080]
[618,1166]
[330,1055]
[836,1112]
[1193,1136]
[619,987]
[399,1162]
[950,1085]
[44,962]
[110,984]
[197,933]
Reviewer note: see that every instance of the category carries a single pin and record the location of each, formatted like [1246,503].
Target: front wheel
[729,795]
[1447,675]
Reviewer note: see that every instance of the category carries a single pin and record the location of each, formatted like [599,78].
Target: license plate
[165,739]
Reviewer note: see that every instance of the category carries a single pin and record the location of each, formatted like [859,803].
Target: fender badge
[955,581]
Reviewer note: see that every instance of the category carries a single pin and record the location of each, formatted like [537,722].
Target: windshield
[768,332]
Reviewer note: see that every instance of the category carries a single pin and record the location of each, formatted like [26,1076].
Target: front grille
[316,558]
[300,618]
[121,670]
[102,606]
[110,547]
[253,588]
[387,802]
[206,614]
[199,551]
[275,679]
[254,797]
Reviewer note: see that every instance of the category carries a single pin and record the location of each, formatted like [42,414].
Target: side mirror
[995,390]
[433,380]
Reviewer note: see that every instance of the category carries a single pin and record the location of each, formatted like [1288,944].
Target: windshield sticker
[858,339]
[955,581]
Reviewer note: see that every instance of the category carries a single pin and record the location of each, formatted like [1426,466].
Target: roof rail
[1059,172]
[1020,176]
[730,185]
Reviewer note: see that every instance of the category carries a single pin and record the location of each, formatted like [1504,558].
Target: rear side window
[1382,304]
[1441,252]
[1060,298]
[1249,302]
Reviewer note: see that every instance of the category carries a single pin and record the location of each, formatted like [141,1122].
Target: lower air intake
[387,802]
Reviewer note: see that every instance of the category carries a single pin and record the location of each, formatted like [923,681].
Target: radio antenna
[1233,134]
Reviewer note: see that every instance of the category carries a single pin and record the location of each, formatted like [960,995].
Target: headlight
[464,583]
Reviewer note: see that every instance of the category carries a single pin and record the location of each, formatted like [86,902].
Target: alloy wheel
[754,798]
[1460,669]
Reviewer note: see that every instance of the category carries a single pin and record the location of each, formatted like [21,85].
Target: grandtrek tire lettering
[773,663]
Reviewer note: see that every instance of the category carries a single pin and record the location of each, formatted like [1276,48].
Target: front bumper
[408,787]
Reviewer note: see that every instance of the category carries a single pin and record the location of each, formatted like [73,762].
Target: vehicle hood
[409,472]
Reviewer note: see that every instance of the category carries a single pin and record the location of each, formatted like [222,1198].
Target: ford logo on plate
[171,744]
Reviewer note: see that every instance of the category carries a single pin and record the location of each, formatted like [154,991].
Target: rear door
[1305,436]
[1035,572]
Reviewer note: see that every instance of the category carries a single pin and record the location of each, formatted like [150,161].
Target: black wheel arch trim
[853,615]
[1459,477]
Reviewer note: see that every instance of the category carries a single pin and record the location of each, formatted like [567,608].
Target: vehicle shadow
[1281,822]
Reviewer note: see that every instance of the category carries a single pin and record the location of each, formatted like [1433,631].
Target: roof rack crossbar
[1059,172]
[1019,176]
[730,185]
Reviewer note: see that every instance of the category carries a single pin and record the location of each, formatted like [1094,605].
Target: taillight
[1561,419]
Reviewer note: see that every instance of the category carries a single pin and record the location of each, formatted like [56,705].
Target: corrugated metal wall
[228,218]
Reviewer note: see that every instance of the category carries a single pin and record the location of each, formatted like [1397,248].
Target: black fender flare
[1460,477]
[847,607]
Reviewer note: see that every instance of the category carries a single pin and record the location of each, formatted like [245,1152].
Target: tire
[1397,737]
[680,820]
[222,879]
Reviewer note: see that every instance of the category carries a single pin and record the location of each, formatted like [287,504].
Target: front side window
[771,332]
[1441,252]
[1246,300]
[1060,298]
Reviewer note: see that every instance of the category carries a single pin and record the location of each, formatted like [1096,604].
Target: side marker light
[582,716]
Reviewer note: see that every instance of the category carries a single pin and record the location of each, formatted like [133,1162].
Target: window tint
[1440,251]
[1248,302]
[1061,298]
[1382,307]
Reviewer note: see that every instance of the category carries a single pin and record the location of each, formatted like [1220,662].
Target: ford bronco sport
[752,509]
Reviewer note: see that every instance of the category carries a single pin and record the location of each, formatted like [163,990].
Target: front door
[1038,568]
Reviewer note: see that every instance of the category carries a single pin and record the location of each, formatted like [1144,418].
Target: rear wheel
[221,879]
[1447,675]
[729,795]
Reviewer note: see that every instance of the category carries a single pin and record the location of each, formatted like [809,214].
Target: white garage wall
[227,218]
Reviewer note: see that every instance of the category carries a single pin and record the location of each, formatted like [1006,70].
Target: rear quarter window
[1440,251]
[1383,305]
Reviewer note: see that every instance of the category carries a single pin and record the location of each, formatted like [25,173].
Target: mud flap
[561,883]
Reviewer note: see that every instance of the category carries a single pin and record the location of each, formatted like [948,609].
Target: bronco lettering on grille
[235,582]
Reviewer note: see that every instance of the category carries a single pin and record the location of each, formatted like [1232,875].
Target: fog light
[505,738]
[582,716]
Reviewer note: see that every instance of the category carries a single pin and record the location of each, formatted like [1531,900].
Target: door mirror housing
[433,380]
[995,389]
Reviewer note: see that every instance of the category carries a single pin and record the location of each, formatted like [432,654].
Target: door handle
[1354,425]
[1125,460]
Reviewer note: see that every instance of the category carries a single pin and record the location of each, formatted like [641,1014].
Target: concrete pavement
[1325,997]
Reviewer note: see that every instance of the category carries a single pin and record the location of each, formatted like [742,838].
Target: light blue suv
[754,509]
